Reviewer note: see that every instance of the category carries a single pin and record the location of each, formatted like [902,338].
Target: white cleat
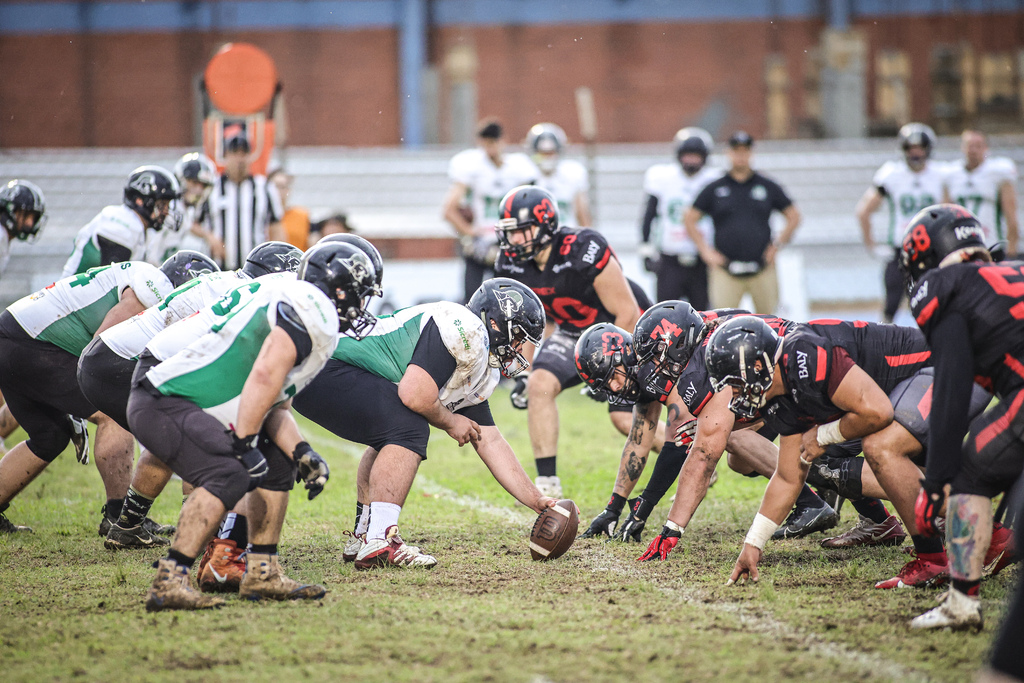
[549,486]
[957,612]
[353,546]
[392,551]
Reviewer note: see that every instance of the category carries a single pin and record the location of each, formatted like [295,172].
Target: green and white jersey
[487,183]
[68,312]
[116,223]
[127,339]
[212,370]
[908,192]
[978,192]
[567,181]
[675,192]
[388,348]
[170,341]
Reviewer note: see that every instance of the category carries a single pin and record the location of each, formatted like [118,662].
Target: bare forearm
[694,481]
[637,450]
[499,458]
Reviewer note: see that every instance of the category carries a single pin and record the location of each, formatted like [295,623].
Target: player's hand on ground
[518,395]
[810,449]
[594,394]
[746,566]
[603,525]
[312,469]
[630,530]
[685,433]
[928,508]
[662,545]
[463,430]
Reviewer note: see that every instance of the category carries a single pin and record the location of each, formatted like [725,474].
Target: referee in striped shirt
[243,210]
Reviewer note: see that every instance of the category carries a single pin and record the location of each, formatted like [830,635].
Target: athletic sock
[112,510]
[362,518]
[926,545]
[872,508]
[382,516]
[359,514]
[546,467]
[267,549]
[808,498]
[971,588]
[235,527]
[666,469]
[134,510]
[183,560]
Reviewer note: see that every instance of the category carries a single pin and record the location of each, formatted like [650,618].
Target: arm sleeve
[951,397]
[112,252]
[650,212]
[289,321]
[480,413]
[433,356]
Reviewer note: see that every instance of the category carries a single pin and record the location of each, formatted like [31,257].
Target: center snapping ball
[554,531]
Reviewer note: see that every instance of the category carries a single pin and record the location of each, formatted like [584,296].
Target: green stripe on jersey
[386,352]
[74,332]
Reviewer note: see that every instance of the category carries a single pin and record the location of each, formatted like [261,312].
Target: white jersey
[388,348]
[675,192]
[212,370]
[488,183]
[68,312]
[978,191]
[127,339]
[164,243]
[569,180]
[117,224]
[5,249]
[908,192]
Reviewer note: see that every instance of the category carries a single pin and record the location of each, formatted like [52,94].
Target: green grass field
[70,610]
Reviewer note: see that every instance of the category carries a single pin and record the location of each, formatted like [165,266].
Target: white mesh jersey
[488,183]
[68,312]
[127,339]
[675,192]
[388,348]
[978,191]
[569,179]
[212,370]
[118,224]
[908,192]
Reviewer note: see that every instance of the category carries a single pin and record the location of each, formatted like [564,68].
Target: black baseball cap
[741,138]
[490,128]
[238,143]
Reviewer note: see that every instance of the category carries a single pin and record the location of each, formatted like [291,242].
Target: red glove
[685,433]
[927,508]
[662,544]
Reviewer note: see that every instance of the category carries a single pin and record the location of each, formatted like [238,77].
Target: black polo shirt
[740,213]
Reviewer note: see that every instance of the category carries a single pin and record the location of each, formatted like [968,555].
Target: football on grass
[554,531]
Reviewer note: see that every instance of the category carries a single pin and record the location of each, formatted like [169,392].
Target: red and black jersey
[566,284]
[817,356]
[694,385]
[990,298]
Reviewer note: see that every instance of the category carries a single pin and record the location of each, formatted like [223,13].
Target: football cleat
[392,551]
[868,533]
[353,546]
[122,538]
[264,578]
[803,521]
[222,568]
[1001,551]
[154,528]
[549,486]
[918,573]
[171,590]
[9,527]
[80,439]
[957,612]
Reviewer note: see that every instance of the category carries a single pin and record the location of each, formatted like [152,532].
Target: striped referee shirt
[240,214]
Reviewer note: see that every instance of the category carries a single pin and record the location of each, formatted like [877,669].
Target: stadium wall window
[947,90]
[892,91]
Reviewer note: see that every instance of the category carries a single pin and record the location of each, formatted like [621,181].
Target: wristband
[301,449]
[760,531]
[674,527]
[830,434]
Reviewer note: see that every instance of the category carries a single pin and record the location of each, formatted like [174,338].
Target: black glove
[518,394]
[603,524]
[594,394]
[630,530]
[312,469]
[248,453]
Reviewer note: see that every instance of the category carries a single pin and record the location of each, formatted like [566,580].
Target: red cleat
[1001,551]
[918,573]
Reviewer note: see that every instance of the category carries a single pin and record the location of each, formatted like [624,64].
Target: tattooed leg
[970,532]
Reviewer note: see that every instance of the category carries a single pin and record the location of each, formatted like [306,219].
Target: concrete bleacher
[395,194]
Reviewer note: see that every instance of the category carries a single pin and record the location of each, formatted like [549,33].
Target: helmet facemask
[506,345]
[530,245]
[661,369]
[751,385]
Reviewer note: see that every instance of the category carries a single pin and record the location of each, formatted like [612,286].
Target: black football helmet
[200,168]
[741,355]
[938,236]
[22,209]
[367,248]
[601,351]
[272,257]
[185,265]
[544,142]
[664,338]
[917,134]
[151,184]
[512,314]
[693,140]
[346,276]
[524,207]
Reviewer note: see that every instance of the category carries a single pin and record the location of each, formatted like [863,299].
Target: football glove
[649,253]
[248,453]
[311,469]
[594,394]
[685,433]
[603,525]
[518,395]
[927,508]
[663,543]
[630,530]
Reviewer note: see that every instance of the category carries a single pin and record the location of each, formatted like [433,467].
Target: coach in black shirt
[742,258]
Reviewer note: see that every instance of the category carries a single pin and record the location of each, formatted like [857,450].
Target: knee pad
[230,487]
[49,445]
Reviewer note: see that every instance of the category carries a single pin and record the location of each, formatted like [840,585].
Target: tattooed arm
[638,446]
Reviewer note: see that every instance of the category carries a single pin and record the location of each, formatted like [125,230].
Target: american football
[554,531]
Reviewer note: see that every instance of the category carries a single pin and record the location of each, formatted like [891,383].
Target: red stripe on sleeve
[604,259]
[703,403]
[908,359]
[927,312]
[999,426]
[822,364]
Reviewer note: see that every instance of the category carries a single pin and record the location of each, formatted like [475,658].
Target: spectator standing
[295,221]
[741,259]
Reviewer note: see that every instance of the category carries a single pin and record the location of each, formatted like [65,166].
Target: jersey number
[909,204]
[1007,281]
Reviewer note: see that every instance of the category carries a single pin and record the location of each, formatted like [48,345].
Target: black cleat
[9,527]
[120,538]
[807,520]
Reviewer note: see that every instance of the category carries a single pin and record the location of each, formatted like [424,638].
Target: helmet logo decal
[666,330]
[611,342]
[543,211]
[290,260]
[509,302]
[143,183]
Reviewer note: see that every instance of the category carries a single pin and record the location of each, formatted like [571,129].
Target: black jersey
[817,356]
[566,284]
[990,298]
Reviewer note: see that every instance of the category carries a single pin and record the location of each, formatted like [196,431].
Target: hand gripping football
[554,531]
